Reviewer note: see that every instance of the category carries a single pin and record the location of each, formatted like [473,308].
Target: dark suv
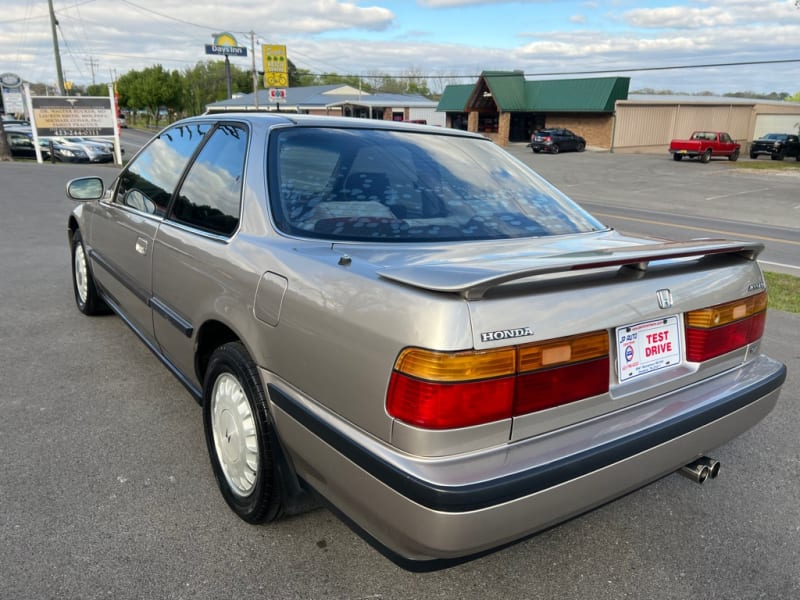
[777,145]
[555,140]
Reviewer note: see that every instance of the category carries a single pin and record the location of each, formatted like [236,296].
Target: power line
[177,20]
[667,68]
[517,73]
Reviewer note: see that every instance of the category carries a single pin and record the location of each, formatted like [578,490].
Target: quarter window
[150,180]
[210,196]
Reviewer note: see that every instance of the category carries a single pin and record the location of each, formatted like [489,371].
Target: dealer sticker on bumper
[647,347]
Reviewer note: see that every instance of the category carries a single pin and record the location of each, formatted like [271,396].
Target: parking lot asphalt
[106,490]
[717,189]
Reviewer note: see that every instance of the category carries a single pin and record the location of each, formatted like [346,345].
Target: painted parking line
[766,189]
[693,228]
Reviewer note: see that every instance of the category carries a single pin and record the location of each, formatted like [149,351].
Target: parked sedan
[556,140]
[777,145]
[412,324]
[99,152]
[69,153]
[21,144]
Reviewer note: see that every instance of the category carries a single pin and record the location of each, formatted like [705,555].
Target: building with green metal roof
[506,107]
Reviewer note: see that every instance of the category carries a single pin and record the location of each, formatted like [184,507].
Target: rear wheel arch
[211,335]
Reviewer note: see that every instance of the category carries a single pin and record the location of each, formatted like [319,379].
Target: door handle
[141,245]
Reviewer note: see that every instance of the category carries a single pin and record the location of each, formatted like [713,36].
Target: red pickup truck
[704,145]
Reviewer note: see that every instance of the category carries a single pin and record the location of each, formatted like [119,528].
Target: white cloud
[458,3]
[678,17]
[352,37]
[718,14]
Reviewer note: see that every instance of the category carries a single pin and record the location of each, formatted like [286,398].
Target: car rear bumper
[426,513]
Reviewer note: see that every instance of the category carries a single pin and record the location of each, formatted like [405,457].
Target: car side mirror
[85,188]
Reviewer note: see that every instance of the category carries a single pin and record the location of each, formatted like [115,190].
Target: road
[654,195]
[106,490]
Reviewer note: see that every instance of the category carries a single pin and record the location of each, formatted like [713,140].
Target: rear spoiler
[472,280]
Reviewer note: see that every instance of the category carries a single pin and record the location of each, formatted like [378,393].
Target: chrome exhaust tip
[712,464]
[696,471]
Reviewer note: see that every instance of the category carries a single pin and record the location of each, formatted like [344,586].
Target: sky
[663,45]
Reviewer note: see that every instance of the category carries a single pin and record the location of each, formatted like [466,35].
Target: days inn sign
[225,43]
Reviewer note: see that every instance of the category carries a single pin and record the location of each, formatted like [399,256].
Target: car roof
[277,119]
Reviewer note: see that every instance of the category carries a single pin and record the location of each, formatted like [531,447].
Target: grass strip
[784,292]
[789,164]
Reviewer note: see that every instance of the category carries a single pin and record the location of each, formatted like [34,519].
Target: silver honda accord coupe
[410,325]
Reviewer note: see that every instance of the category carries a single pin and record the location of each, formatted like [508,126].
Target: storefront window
[487,123]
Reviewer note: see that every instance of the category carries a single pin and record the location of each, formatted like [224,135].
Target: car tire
[706,156]
[554,149]
[753,155]
[537,150]
[734,156]
[778,156]
[581,147]
[677,156]
[240,435]
[87,298]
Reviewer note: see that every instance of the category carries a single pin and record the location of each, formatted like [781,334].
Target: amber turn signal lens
[563,350]
[456,366]
[722,314]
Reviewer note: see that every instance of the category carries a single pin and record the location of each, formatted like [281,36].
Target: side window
[19,141]
[211,194]
[150,180]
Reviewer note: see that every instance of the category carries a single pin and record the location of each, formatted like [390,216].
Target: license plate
[646,347]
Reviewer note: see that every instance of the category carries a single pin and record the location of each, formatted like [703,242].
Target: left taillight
[444,390]
[714,331]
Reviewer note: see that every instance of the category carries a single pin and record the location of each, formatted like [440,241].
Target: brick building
[505,107]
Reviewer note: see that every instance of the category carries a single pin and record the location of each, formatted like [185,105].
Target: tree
[299,77]
[206,83]
[97,89]
[411,81]
[151,89]
[5,151]
[351,80]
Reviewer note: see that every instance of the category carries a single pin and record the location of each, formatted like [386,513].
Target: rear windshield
[396,186]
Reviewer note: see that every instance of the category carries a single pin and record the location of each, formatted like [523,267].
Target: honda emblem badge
[664,298]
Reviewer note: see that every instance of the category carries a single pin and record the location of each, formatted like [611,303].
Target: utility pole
[53,24]
[92,64]
[253,63]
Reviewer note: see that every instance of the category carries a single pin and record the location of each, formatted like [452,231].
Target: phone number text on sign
[646,347]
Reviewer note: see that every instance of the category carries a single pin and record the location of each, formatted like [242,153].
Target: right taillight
[716,330]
